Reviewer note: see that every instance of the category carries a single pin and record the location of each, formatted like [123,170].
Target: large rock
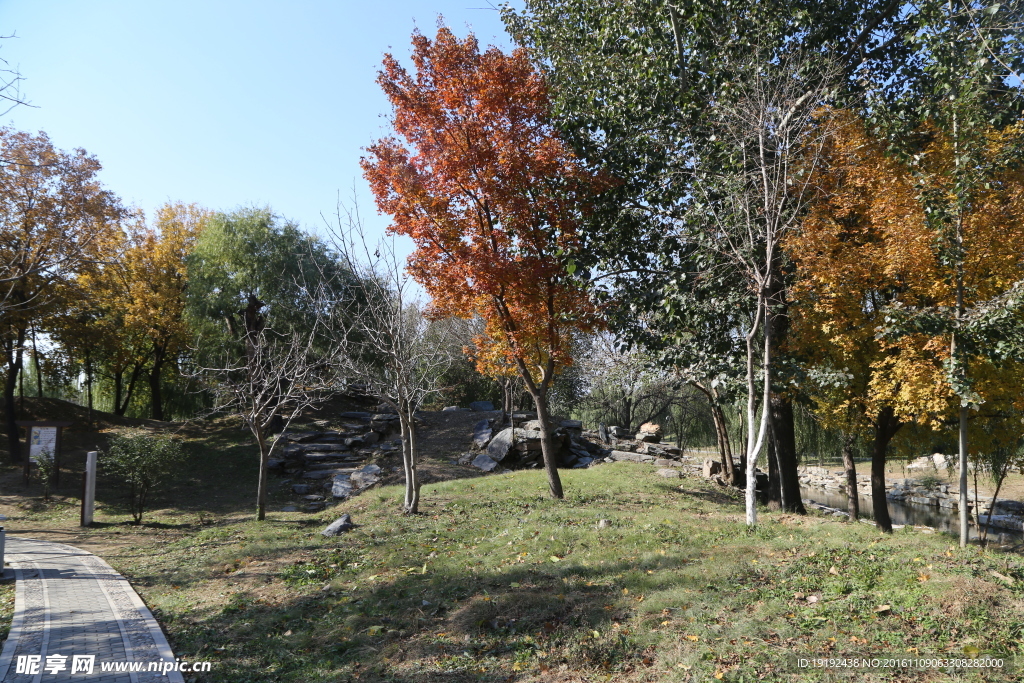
[624,455]
[365,477]
[711,468]
[449,409]
[618,432]
[370,438]
[481,406]
[670,473]
[485,463]
[603,432]
[482,433]
[341,524]
[341,486]
[500,444]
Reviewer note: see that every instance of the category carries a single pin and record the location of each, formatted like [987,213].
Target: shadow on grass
[385,632]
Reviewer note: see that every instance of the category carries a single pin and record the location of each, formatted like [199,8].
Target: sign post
[43,437]
[89,492]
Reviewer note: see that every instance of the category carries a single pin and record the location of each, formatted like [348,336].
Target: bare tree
[276,374]
[754,185]
[383,338]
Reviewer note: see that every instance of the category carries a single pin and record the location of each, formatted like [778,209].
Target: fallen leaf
[514,584]
[719,675]
[883,609]
[625,591]
[812,599]
[833,571]
[693,638]
[922,577]
[556,558]
[288,632]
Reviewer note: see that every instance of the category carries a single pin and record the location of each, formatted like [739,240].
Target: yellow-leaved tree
[865,250]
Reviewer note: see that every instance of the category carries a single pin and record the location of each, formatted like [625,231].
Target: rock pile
[334,460]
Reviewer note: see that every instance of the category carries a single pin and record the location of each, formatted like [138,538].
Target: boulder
[582,463]
[300,489]
[711,468]
[519,418]
[603,433]
[449,409]
[500,444]
[370,438]
[342,524]
[651,428]
[485,463]
[482,433]
[481,406]
[624,455]
[466,458]
[365,477]
[356,415]
[618,432]
[341,486]
[670,473]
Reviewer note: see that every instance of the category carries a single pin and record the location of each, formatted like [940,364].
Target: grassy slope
[495,582]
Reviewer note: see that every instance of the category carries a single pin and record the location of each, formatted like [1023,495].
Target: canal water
[901,512]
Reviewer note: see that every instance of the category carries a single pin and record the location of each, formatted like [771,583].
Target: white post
[89,497]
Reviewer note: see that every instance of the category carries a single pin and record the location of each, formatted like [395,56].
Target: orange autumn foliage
[490,196]
[865,244]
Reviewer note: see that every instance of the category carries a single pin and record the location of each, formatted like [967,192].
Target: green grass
[6,608]
[496,582]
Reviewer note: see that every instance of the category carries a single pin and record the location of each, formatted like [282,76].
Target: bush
[45,467]
[142,461]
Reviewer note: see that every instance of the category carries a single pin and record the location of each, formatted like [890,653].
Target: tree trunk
[118,389]
[730,474]
[123,408]
[852,492]
[885,427]
[774,484]
[14,359]
[261,490]
[784,439]
[155,397]
[540,401]
[414,475]
[88,384]
[39,369]
[755,439]
[962,460]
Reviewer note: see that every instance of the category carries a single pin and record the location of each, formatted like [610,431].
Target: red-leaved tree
[492,199]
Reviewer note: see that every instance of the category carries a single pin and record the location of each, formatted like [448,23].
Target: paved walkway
[68,602]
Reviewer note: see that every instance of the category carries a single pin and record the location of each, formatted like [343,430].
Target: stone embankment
[1008,514]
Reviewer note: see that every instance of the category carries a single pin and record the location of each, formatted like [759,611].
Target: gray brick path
[69,602]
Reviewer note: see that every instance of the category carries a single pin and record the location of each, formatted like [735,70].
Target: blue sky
[221,102]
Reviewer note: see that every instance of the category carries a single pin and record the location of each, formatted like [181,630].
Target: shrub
[45,466]
[142,461]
